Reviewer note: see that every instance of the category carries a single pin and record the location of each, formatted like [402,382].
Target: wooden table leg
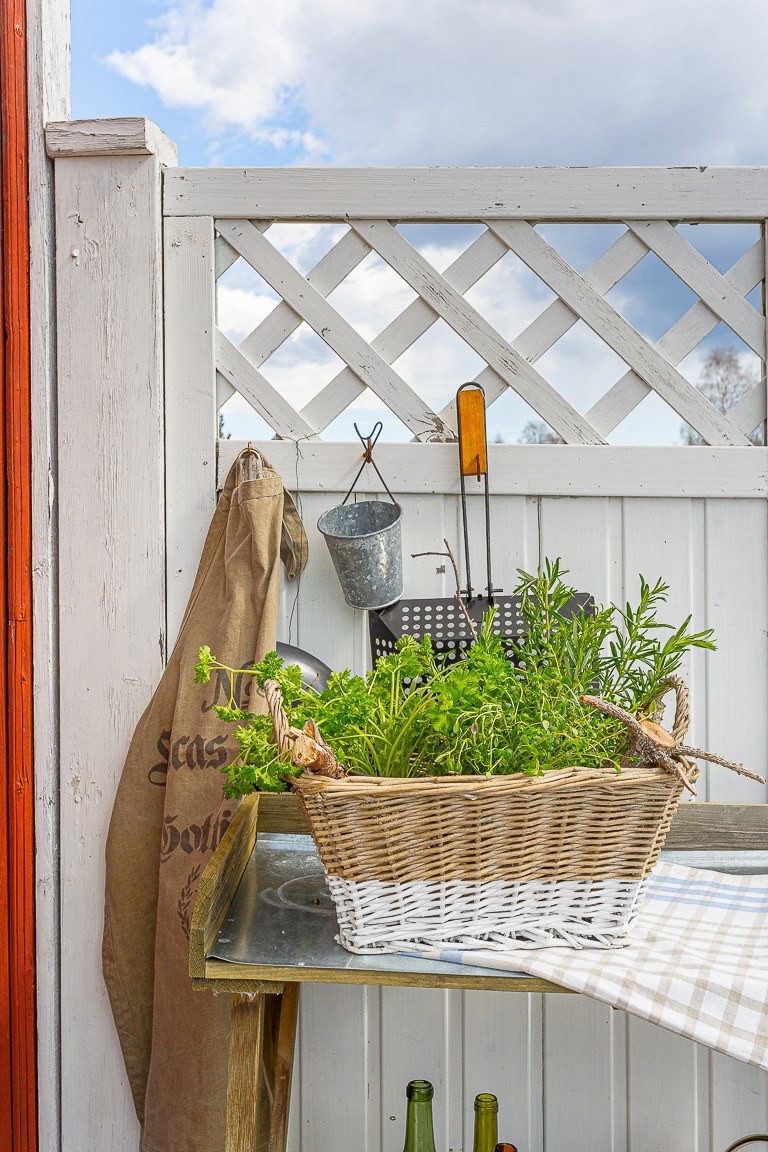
[244,1071]
[261,1043]
[283,1067]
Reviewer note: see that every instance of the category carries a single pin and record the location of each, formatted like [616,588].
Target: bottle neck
[486,1123]
[419,1131]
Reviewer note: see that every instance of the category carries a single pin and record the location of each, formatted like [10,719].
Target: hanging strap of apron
[294,546]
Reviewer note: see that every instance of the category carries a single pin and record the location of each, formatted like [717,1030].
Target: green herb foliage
[624,655]
[415,715]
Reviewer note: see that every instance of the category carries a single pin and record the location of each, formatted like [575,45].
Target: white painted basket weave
[489,862]
[378,917]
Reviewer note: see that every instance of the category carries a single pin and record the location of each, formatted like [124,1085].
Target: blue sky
[415,82]
[432,81]
[99,90]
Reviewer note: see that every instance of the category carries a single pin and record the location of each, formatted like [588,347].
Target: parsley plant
[414,714]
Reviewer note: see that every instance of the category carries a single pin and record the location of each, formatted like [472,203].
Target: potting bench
[263,925]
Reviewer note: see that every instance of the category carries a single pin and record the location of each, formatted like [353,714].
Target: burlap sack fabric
[170,814]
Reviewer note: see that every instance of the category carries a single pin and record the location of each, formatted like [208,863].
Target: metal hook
[247,468]
[368,443]
[369,440]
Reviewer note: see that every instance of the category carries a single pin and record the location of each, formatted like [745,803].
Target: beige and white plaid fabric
[696,963]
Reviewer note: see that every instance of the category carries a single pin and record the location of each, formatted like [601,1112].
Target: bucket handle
[368,443]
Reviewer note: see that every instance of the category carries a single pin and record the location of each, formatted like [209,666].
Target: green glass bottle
[486,1123]
[419,1133]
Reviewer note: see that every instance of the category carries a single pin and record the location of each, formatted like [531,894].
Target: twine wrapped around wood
[652,744]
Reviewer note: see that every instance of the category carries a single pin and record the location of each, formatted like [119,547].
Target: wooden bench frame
[265,1000]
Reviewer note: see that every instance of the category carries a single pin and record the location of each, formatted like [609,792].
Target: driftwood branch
[654,744]
[302,747]
[457,594]
[700,754]
[308,750]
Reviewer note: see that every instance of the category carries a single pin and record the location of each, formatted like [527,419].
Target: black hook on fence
[368,443]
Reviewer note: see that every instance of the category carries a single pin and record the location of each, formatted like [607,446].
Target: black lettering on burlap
[158,772]
[203,838]
[227,692]
[195,755]
[176,761]
[216,750]
[193,752]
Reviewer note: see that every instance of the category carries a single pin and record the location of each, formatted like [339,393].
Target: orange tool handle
[473,449]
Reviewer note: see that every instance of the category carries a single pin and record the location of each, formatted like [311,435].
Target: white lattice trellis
[219,218]
[650,366]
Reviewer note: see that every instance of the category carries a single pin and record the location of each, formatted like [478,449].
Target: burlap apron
[170,813]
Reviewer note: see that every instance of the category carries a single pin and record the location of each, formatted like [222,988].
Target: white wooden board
[111,582]
[523,469]
[465,194]
[190,404]
[121,136]
[47,34]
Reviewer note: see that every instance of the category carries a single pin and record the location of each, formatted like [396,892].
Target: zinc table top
[281,926]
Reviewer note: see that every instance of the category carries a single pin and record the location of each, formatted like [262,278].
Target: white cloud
[240,310]
[453,82]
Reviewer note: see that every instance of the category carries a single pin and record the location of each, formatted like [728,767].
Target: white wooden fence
[569,1073]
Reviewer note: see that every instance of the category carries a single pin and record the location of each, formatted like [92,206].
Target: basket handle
[648,740]
[747,1140]
[682,719]
[302,747]
[655,745]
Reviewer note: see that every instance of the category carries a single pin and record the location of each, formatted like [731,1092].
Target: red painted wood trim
[18,1067]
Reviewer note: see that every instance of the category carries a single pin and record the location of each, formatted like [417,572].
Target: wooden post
[47,37]
[112,557]
[244,1072]
[283,1066]
[261,1044]
[18,1088]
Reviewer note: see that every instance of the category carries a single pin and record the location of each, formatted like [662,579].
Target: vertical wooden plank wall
[569,1072]
[190,403]
[664,1084]
[735,548]
[111,559]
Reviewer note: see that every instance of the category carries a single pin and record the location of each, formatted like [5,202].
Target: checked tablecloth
[696,963]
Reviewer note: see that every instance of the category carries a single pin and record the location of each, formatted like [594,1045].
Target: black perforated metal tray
[444,621]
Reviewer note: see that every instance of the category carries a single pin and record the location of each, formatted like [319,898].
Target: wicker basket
[494,861]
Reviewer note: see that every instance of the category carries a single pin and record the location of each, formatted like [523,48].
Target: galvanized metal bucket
[365,544]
